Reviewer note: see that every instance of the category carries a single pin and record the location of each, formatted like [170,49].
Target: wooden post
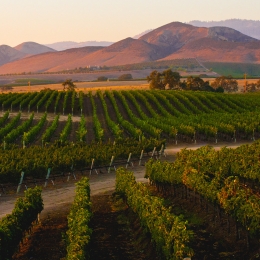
[153,152]
[111,162]
[128,160]
[20,183]
[141,156]
[47,176]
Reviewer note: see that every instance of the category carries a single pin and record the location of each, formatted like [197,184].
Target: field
[237,70]
[66,130]
[94,86]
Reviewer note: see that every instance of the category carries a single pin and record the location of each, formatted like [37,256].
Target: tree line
[169,79]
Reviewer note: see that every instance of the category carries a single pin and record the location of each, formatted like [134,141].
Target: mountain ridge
[171,41]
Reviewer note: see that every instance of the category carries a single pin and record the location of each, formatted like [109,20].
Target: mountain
[208,44]
[208,49]
[175,35]
[8,54]
[33,48]
[43,62]
[248,27]
[171,41]
[141,34]
[61,46]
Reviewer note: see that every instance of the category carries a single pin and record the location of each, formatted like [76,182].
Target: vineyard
[72,131]
[40,118]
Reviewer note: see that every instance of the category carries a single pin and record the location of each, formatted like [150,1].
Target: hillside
[61,46]
[8,54]
[207,49]
[248,27]
[42,62]
[33,48]
[172,41]
[123,52]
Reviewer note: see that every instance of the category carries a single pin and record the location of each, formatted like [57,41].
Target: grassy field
[237,70]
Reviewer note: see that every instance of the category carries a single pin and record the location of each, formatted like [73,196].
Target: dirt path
[63,192]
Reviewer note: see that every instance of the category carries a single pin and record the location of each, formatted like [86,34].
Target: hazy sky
[49,21]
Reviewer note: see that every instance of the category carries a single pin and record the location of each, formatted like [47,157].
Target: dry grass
[87,86]
[110,85]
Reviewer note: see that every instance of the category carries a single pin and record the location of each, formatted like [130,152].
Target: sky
[49,21]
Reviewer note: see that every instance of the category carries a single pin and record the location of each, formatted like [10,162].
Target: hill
[61,46]
[43,62]
[172,41]
[33,48]
[8,54]
[248,27]
[207,49]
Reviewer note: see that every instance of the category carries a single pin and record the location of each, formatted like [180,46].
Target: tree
[227,83]
[102,78]
[155,80]
[171,79]
[195,83]
[68,84]
[125,77]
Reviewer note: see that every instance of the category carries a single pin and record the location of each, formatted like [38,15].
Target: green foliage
[29,136]
[13,225]
[16,132]
[34,160]
[169,232]
[12,124]
[99,131]
[218,177]
[79,232]
[167,79]
[115,128]
[66,130]
[82,132]
[50,130]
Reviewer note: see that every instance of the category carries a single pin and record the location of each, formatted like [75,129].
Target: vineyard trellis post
[91,168]
[20,183]
[111,162]
[176,140]
[71,172]
[141,156]
[235,140]
[153,152]
[253,135]
[216,137]
[47,177]
[128,160]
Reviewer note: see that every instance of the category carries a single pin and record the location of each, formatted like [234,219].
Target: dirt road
[63,192]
